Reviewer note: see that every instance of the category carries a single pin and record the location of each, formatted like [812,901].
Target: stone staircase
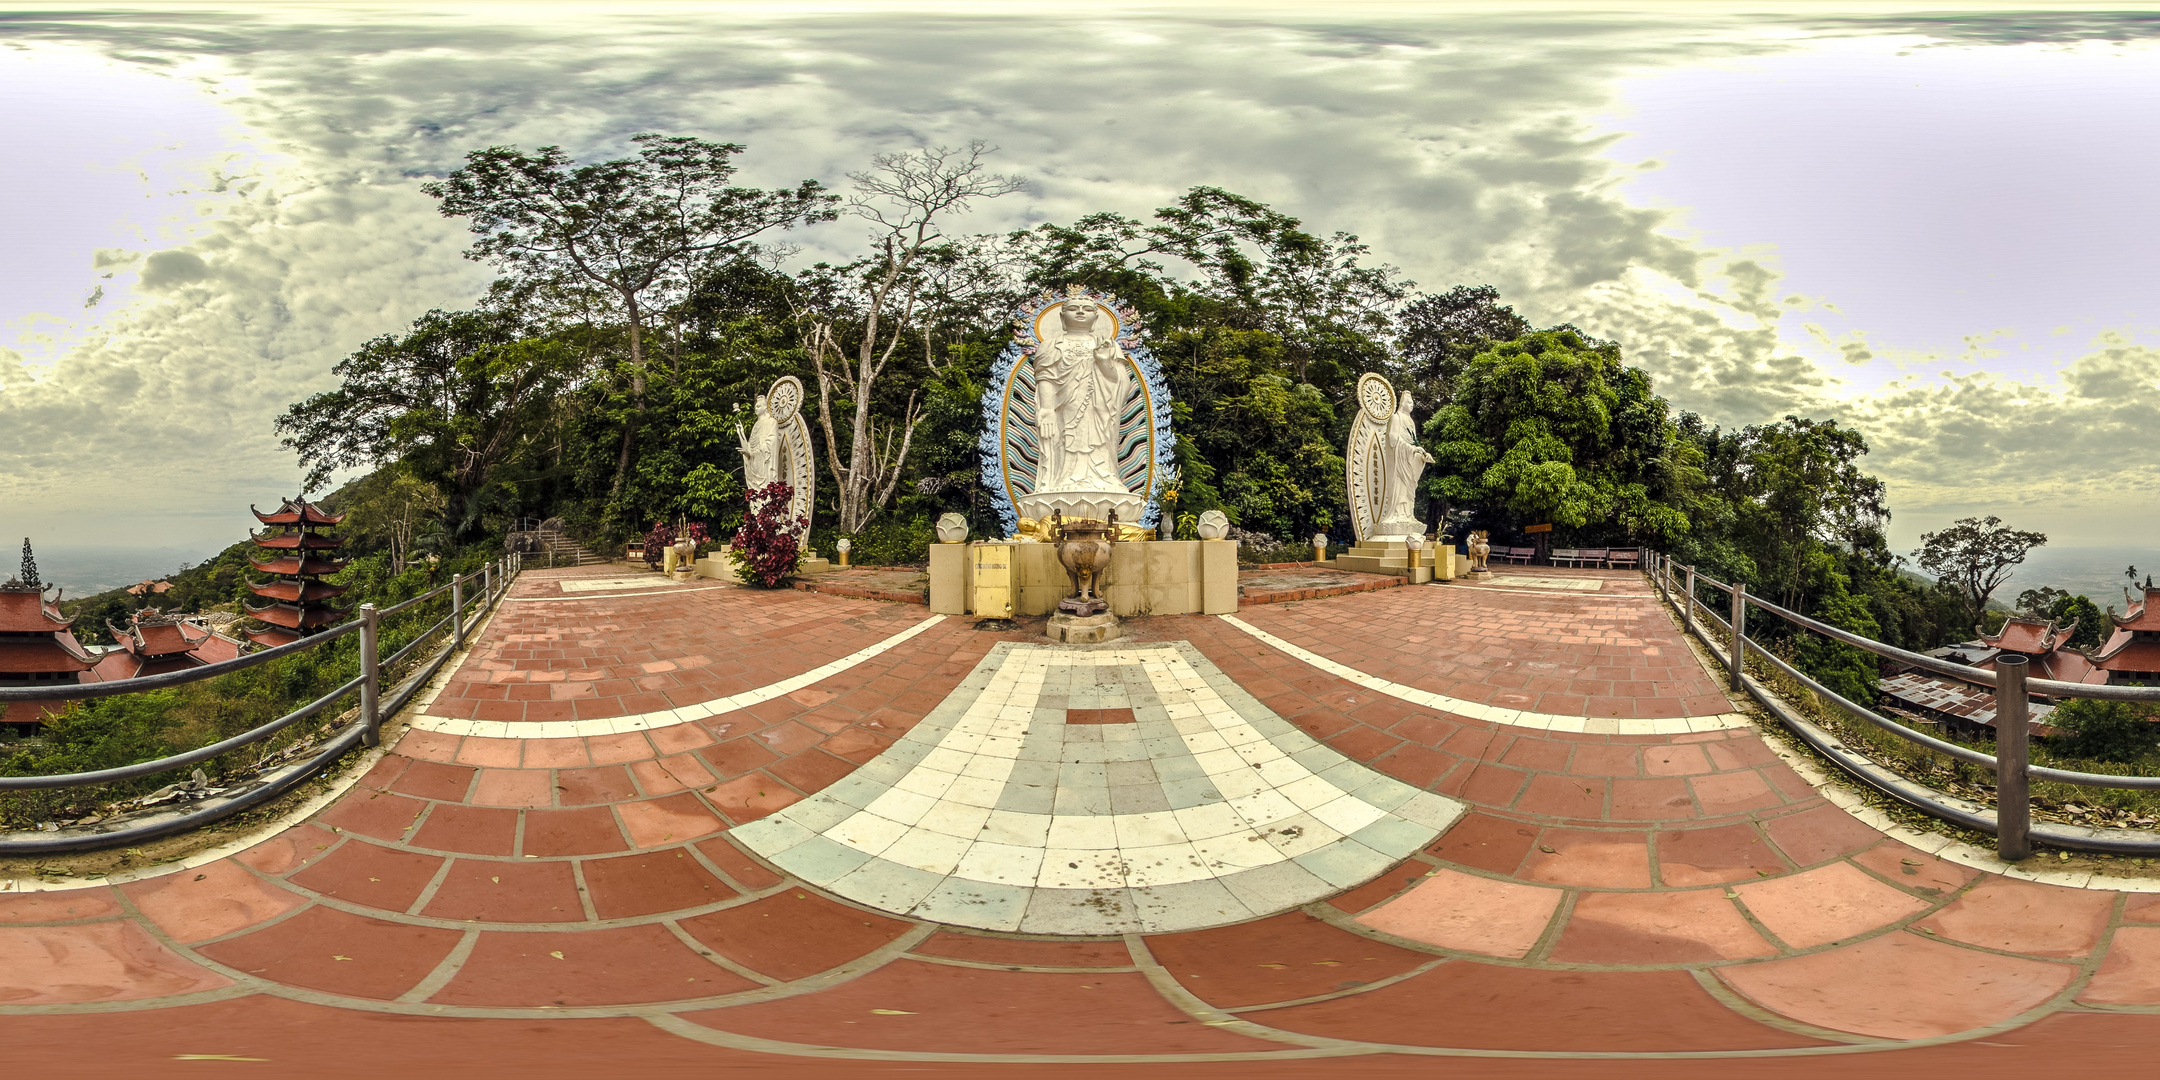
[545,548]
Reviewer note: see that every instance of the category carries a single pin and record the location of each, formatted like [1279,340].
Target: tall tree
[452,399]
[632,231]
[1977,555]
[1441,334]
[855,319]
[1552,427]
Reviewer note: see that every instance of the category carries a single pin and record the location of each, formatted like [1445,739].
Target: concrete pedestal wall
[1151,577]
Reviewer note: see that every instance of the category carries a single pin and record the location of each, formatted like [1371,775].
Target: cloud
[167,269]
[1461,148]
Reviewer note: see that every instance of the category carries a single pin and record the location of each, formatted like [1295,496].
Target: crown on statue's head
[1075,291]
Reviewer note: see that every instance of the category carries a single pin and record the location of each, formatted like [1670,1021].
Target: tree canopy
[601,380]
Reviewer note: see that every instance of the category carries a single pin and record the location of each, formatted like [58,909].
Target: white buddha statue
[1080,385]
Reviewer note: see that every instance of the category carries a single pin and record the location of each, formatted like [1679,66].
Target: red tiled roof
[2020,634]
[272,636]
[23,656]
[115,666]
[295,618]
[294,564]
[291,540]
[2125,652]
[2143,614]
[297,511]
[217,649]
[164,639]
[2067,665]
[291,591]
[29,613]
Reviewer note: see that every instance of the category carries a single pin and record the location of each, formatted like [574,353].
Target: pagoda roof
[2029,635]
[2125,651]
[271,636]
[297,591]
[29,656]
[24,610]
[293,617]
[297,512]
[2142,615]
[154,634]
[286,541]
[306,564]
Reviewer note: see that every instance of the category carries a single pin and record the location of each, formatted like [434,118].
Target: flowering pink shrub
[766,547]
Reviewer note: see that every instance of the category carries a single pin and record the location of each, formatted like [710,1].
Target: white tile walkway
[1200,807]
[584,585]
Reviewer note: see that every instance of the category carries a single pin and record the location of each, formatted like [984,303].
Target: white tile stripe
[616,725]
[951,811]
[1590,725]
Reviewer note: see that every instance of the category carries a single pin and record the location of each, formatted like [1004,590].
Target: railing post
[370,677]
[487,585]
[2013,787]
[1687,609]
[1739,637]
[457,614]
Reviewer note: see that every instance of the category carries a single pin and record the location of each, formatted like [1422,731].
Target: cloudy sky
[1939,228]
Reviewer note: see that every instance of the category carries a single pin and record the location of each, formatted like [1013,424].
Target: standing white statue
[761,447]
[1080,384]
[777,448]
[1404,464]
[1383,464]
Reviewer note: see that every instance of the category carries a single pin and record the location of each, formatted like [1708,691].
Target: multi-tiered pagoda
[300,557]
[37,644]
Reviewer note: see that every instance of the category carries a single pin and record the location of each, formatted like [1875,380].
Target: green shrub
[2104,730]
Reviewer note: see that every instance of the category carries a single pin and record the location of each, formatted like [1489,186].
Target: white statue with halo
[777,448]
[1383,464]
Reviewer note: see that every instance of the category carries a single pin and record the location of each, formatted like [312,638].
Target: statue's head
[1406,403]
[1078,314]
[763,405]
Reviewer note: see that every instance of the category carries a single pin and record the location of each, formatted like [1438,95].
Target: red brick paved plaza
[1605,905]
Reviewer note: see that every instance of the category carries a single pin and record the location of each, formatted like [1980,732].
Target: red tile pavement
[1604,894]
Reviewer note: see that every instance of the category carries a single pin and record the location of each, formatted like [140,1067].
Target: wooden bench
[1518,554]
[1566,556]
[1624,558]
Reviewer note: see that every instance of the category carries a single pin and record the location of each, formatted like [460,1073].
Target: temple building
[300,558]
[37,643]
[2132,653]
[153,643]
[2044,645]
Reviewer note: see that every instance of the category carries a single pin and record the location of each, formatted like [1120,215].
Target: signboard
[1538,528]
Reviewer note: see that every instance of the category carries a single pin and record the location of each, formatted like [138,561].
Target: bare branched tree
[854,319]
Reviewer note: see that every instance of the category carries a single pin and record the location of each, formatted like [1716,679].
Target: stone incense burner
[1083,548]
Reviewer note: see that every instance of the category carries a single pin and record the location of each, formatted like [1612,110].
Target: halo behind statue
[1140,462]
[797,467]
[1383,464]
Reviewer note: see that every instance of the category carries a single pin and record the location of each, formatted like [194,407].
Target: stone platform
[1531,830]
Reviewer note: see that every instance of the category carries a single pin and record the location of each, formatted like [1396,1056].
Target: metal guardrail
[2010,820]
[494,580]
